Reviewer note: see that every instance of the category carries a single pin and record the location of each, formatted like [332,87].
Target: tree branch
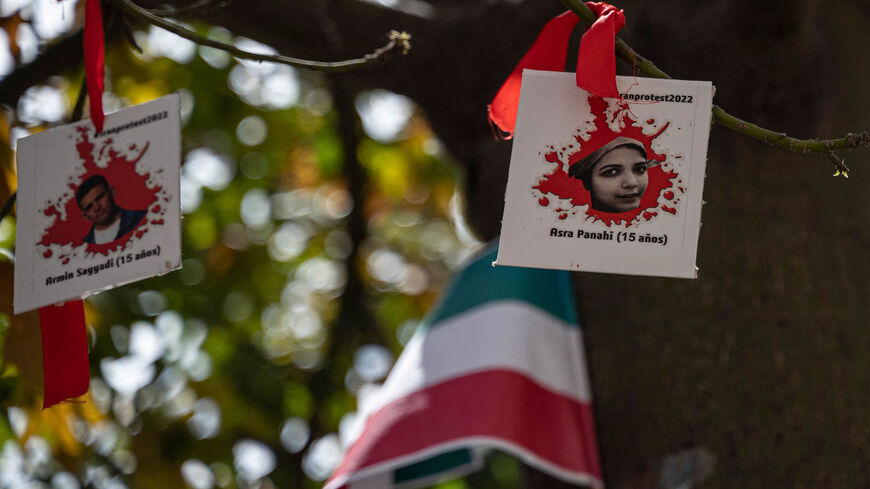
[7,207]
[724,119]
[79,106]
[398,42]
[197,6]
[58,57]
[781,139]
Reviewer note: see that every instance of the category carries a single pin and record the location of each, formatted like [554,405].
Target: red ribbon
[95,53]
[596,60]
[64,334]
[64,352]
[597,74]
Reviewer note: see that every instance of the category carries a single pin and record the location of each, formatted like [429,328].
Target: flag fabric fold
[499,364]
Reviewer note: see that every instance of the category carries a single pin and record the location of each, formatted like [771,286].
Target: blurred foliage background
[318,227]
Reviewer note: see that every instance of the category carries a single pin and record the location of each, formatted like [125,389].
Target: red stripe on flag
[496,403]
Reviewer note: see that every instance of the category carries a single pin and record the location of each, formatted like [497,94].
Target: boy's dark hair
[88,184]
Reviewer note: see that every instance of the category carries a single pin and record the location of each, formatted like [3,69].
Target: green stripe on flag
[439,463]
[480,283]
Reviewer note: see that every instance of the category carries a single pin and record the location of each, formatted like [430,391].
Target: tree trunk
[763,360]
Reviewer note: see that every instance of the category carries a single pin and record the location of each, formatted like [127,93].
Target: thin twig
[7,207]
[127,29]
[822,146]
[80,101]
[645,66]
[839,164]
[724,119]
[398,42]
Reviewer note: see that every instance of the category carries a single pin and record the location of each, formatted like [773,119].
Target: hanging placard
[607,185]
[98,209]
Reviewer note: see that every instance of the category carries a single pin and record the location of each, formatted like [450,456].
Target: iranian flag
[499,364]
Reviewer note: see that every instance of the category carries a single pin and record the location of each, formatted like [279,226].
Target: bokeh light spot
[252,130]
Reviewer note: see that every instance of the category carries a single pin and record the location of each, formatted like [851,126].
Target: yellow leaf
[92,315]
[52,424]
[88,409]
[139,93]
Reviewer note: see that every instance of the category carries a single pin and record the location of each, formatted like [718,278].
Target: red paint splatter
[650,121]
[140,232]
[131,192]
[649,214]
[47,254]
[155,209]
[560,184]
[669,209]
[157,221]
[668,195]
[543,202]
[563,216]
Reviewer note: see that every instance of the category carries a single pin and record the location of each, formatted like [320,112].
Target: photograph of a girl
[614,174]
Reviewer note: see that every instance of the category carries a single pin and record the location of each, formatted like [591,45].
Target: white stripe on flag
[510,335]
[502,366]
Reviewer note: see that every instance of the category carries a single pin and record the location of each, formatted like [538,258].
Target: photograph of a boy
[109,221]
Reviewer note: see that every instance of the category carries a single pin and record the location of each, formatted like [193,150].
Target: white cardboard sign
[97,210]
[603,185]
